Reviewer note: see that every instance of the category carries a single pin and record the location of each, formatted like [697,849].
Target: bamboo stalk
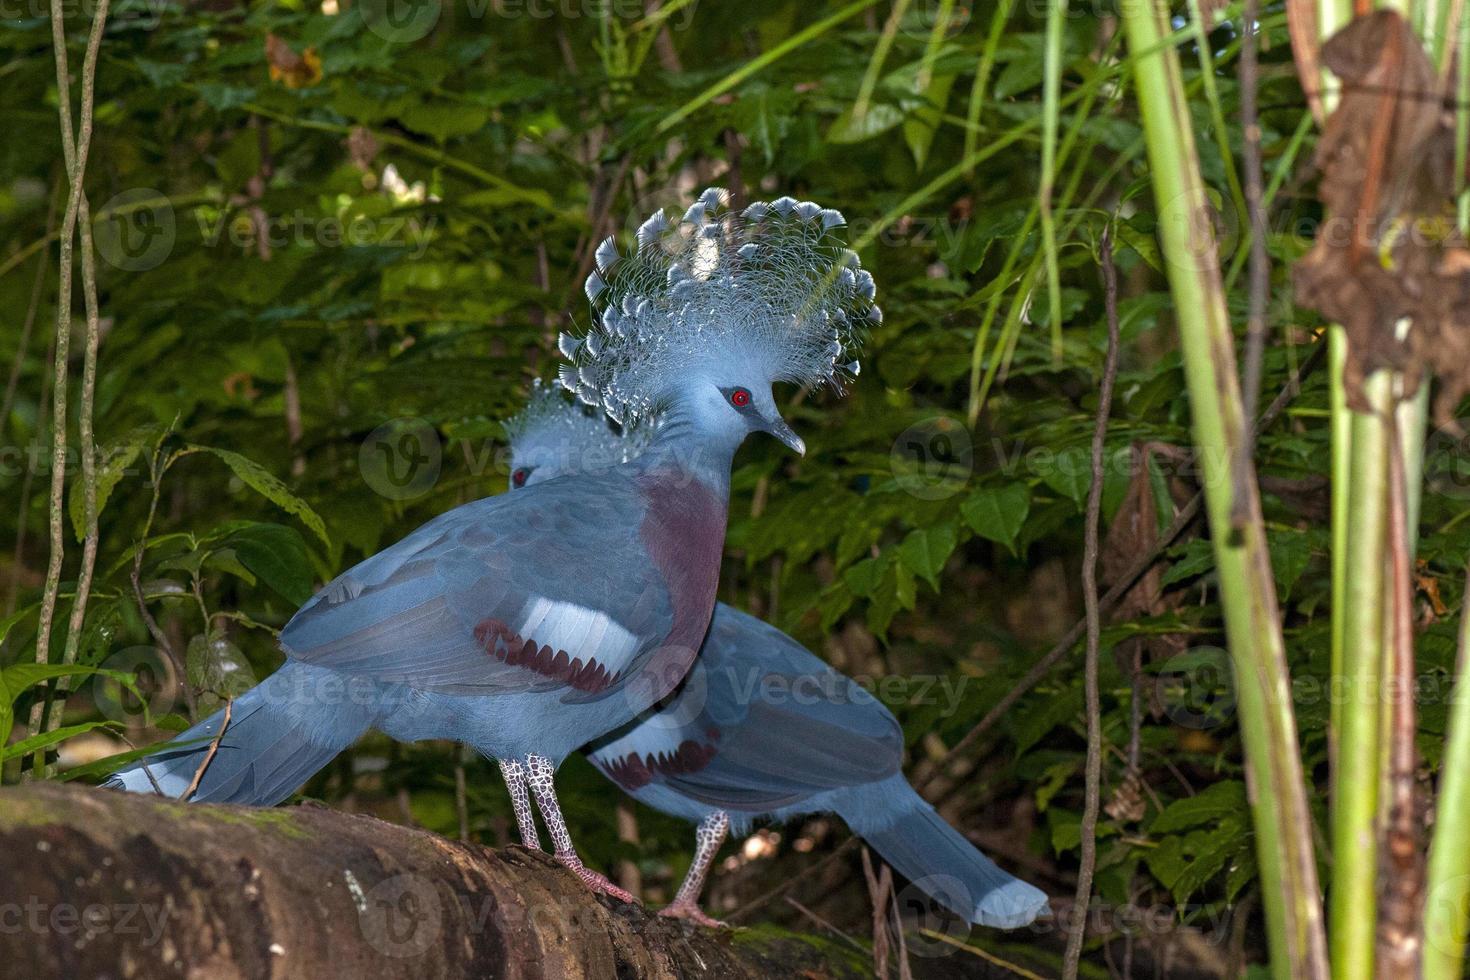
[1248,592]
[1447,889]
[1447,875]
[1056,15]
[1353,901]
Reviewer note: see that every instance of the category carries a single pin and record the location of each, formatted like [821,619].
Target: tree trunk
[107,884]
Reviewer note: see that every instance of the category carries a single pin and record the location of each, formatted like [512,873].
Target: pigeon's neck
[685,450]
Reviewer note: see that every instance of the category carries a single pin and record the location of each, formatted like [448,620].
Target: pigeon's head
[729,403]
[554,436]
[709,310]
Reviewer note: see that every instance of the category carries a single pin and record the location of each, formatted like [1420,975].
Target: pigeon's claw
[598,883]
[690,911]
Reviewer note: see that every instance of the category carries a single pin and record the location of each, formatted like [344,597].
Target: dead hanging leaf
[1127,804]
[289,68]
[1132,535]
[1389,252]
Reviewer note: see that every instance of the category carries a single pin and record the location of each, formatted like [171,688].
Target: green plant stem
[1218,127]
[982,79]
[761,61]
[1353,901]
[1056,14]
[880,54]
[1447,878]
[1341,433]
[1281,818]
[1447,888]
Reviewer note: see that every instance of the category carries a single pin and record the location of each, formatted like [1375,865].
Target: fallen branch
[101,883]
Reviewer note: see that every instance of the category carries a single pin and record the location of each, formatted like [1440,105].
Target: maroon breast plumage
[684,532]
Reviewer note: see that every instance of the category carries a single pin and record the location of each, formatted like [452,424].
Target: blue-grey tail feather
[279,736]
[937,859]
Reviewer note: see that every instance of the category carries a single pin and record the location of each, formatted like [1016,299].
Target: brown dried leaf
[1127,804]
[289,68]
[1132,535]
[1389,251]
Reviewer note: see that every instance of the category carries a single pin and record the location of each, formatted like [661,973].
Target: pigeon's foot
[691,912]
[598,883]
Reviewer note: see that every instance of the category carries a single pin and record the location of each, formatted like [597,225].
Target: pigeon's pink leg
[520,801]
[707,841]
[541,772]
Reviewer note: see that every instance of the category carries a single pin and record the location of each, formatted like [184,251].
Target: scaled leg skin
[541,772]
[707,841]
[520,801]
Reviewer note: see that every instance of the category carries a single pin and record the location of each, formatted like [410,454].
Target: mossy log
[105,884]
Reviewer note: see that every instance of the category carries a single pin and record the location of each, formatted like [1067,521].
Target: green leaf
[1212,804]
[879,119]
[28,745]
[444,121]
[1199,557]
[107,766]
[257,478]
[998,513]
[16,679]
[925,551]
[1069,473]
[277,556]
[1290,552]
[863,578]
[113,467]
[1212,849]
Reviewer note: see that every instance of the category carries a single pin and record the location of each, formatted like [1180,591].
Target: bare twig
[135,576]
[1260,262]
[461,794]
[1078,930]
[988,957]
[208,756]
[880,890]
[823,923]
[75,149]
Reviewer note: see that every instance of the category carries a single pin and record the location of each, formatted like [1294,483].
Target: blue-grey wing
[759,723]
[542,589]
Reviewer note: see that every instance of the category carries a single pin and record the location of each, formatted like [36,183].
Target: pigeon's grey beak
[778,428]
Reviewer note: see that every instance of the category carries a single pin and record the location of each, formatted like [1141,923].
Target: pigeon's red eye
[739,398]
[519,477]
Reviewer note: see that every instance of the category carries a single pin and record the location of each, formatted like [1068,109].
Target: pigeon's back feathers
[771,290]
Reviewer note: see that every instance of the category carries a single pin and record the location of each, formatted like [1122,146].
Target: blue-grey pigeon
[528,624]
[761,729]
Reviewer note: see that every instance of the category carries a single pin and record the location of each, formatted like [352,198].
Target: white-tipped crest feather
[772,291]
[562,436]
[607,254]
